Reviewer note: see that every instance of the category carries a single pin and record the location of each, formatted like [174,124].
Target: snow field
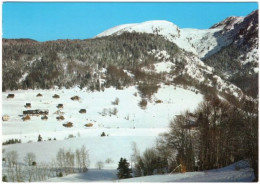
[131,124]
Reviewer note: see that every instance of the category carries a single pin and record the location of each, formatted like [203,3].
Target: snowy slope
[237,172]
[131,124]
[199,42]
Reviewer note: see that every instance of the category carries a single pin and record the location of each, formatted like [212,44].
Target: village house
[74,98]
[28,105]
[5,117]
[44,117]
[60,106]
[10,96]
[39,95]
[89,124]
[83,111]
[36,112]
[55,96]
[68,124]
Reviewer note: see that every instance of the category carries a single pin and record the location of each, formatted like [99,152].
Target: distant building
[10,96]
[36,112]
[5,117]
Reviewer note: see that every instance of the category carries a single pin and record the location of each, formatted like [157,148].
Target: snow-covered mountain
[207,44]
[197,41]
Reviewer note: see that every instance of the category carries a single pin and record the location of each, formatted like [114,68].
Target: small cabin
[190,121]
[68,125]
[44,117]
[55,96]
[58,112]
[26,118]
[5,117]
[60,106]
[10,96]
[75,98]
[39,95]
[36,112]
[82,111]
[89,125]
[60,118]
[28,105]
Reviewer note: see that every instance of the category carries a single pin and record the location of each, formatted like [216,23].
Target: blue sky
[51,21]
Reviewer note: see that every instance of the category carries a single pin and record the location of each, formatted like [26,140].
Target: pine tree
[123,169]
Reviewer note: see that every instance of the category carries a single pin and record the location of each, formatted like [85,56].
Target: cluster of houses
[44,112]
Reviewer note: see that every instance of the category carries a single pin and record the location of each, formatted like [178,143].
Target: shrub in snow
[4,179]
[109,160]
[143,103]
[34,163]
[116,102]
[70,136]
[29,158]
[39,138]
[113,111]
[60,174]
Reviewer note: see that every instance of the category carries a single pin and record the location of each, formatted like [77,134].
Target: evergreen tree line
[221,134]
[76,62]
[12,141]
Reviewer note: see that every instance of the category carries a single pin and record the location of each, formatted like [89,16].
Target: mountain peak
[154,26]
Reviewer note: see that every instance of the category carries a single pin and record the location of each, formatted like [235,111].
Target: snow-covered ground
[131,124]
[237,172]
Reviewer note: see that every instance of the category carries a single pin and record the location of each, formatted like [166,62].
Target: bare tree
[84,158]
[29,158]
[11,158]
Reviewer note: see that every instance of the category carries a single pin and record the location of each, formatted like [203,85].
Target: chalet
[5,117]
[75,98]
[39,95]
[26,118]
[190,121]
[58,112]
[55,96]
[44,117]
[60,106]
[10,96]
[83,111]
[35,112]
[68,124]
[89,124]
[60,118]
[28,105]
